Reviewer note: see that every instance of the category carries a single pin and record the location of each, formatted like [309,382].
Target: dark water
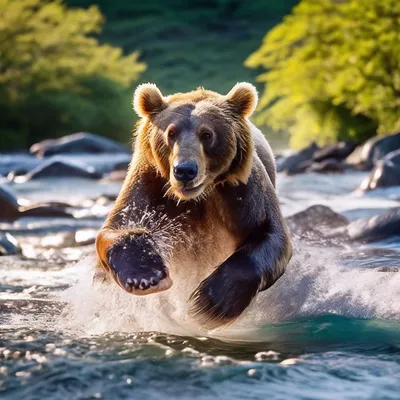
[329,330]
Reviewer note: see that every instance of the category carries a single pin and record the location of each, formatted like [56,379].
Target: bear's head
[199,139]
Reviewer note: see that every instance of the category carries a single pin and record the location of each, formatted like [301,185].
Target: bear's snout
[186,171]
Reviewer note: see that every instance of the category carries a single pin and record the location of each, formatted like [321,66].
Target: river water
[329,329]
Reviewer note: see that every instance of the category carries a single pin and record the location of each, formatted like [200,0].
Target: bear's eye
[172,133]
[206,136]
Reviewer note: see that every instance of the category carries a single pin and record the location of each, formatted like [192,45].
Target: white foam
[96,308]
[314,284]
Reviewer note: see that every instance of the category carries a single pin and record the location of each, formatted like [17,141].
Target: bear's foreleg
[125,247]
[223,296]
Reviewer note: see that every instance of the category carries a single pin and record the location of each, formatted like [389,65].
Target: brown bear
[198,201]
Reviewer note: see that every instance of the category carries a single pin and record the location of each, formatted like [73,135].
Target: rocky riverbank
[380,155]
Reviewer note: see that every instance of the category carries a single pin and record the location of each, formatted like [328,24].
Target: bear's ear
[243,98]
[148,100]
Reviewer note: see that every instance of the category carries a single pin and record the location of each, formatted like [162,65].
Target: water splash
[316,283]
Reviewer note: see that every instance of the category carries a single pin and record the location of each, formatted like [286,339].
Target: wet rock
[57,168]
[320,222]
[338,151]
[315,222]
[366,155]
[8,244]
[11,210]
[375,228]
[102,164]
[329,165]
[81,142]
[385,174]
[17,163]
[97,165]
[298,162]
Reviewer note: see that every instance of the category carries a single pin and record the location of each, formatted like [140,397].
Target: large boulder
[315,222]
[81,142]
[338,151]
[385,174]
[320,224]
[57,168]
[378,227]
[298,162]
[366,155]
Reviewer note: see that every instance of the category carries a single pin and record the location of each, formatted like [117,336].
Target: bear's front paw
[222,297]
[137,267]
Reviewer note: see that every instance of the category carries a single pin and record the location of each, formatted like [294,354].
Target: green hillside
[190,43]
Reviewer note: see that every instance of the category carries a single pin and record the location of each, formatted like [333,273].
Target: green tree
[49,58]
[332,71]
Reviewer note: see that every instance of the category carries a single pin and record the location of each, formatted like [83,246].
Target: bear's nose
[186,171]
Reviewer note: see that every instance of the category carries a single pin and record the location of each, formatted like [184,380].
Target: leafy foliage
[332,70]
[55,76]
[105,108]
[187,44]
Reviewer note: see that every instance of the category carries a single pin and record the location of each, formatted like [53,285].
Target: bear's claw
[136,267]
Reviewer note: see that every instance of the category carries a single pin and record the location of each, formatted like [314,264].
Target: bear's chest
[207,240]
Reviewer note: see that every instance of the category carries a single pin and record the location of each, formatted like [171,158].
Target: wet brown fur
[238,206]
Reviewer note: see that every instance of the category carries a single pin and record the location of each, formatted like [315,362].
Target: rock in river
[81,142]
[385,174]
[315,221]
[366,155]
[17,163]
[319,221]
[298,162]
[378,227]
[338,151]
[57,168]
[10,209]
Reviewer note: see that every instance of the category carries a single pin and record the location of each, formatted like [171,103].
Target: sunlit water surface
[329,329]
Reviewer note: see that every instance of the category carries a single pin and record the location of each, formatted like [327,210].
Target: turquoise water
[328,357]
[330,329]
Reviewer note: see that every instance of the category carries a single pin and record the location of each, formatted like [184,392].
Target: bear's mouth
[191,190]
[188,192]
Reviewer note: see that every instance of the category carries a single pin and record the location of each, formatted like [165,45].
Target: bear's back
[264,152]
